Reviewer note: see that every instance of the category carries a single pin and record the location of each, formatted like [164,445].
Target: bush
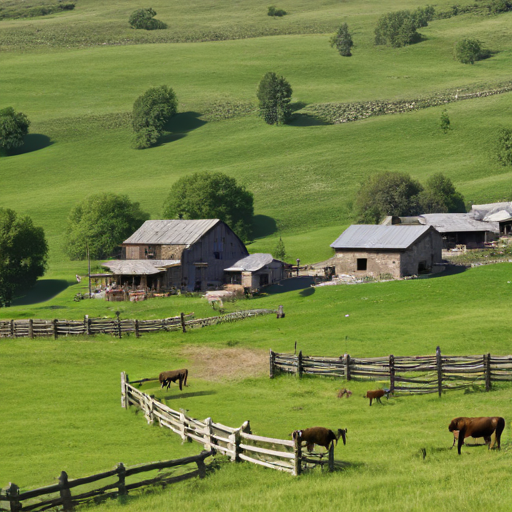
[144,19]
[212,196]
[101,222]
[274,11]
[151,111]
[445,121]
[342,40]
[274,95]
[504,146]
[399,28]
[499,6]
[468,51]
[13,127]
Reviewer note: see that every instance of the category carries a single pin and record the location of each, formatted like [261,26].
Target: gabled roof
[171,232]
[251,263]
[139,267]
[457,223]
[379,237]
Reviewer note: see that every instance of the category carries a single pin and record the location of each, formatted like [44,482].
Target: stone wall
[378,263]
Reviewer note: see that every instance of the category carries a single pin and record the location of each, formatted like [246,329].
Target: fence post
[439,363]
[346,360]
[13,493]
[65,493]
[87,322]
[118,313]
[207,435]
[331,457]
[121,471]
[55,328]
[487,364]
[183,325]
[272,363]
[297,452]
[182,429]
[201,466]
[391,373]
[299,364]
[137,333]
[12,328]
[30,328]
[124,401]
[280,312]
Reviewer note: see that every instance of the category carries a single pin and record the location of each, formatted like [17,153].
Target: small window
[362,263]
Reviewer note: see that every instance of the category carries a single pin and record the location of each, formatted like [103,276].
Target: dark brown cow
[166,378]
[377,394]
[477,427]
[320,436]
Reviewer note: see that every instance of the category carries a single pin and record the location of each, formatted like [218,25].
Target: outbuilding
[255,271]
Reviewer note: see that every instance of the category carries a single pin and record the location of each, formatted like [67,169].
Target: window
[217,255]
[362,263]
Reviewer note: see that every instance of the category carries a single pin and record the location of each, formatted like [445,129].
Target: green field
[76,76]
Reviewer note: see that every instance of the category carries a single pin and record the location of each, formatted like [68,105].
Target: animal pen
[239,444]
[406,374]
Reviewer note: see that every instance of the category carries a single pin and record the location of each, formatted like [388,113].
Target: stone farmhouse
[395,251]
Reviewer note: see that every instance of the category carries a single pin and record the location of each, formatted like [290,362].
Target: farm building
[395,251]
[255,271]
[495,212]
[163,254]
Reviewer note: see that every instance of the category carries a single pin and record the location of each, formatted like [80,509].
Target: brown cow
[477,427]
[166,378]
[377,394]
[320,436]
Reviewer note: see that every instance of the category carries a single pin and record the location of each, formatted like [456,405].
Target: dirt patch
[226,363]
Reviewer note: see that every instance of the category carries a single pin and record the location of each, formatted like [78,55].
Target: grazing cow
[377,395]
[344,392]
[477,427]
[320,436]
[166,378]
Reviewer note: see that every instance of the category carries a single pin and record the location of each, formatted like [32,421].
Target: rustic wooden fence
[406,374]
[32,328]
[236,443]
[59,495]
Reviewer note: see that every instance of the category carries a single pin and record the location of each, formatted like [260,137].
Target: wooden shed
[255,271]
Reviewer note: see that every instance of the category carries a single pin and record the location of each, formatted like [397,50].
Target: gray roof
[493,212]
[139,267]
[379,237]
[171,232]
[457,223]
[251,263]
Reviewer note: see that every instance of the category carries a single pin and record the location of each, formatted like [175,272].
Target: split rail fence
[236,443]
[406,374]
[32,328]
[59,495]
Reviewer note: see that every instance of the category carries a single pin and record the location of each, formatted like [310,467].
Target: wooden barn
[378,251]
[255,271]
[189,254]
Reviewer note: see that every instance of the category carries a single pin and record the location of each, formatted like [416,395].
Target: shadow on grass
[307,292]
[263,226]
[450,270]
[291,285]
[31,142]
[300,120]
[179,125]
[44,289]
[190,395]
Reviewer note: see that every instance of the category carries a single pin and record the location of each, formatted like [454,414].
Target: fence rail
[33,328]
[236,443]
[407,374]
[62,496]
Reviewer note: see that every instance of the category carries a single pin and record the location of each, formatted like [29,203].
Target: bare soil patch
[226,363]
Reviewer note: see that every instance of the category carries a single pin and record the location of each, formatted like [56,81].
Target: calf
[166,378]
[344,392]
[377,395]
[320,436]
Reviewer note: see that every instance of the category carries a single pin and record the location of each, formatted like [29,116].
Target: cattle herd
[461,427]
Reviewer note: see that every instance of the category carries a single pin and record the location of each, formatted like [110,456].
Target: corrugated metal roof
[139,267]
[171,232]
[457,223]
[251,263]
[379,237]
[493,212]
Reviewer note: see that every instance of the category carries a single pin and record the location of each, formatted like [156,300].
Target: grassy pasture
[81,427]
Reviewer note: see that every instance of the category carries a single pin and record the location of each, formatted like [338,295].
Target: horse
[477,427]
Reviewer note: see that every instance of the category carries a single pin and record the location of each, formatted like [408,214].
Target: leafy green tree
[280,251]
[504,146]
[342,40]
[440,196]
[23,254]
[274,95]
[151,111]
[468,51]
[145,19]
[445,121]
[387,193]
[101,222]
[205,195]
[13,127]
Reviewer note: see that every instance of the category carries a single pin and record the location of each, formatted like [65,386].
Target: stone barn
[168,254]
[382,251]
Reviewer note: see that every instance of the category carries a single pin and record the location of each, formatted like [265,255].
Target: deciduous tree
[274,95]
[440,196]
[342,40]
[13,127]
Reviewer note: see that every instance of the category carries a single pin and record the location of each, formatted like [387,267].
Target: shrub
[468,51]
[13,127]
[504,146]
[498,6]
[274,95]
[280,251]
[445,121]
[342,40]
[274,11]
[399,28]
[144,19]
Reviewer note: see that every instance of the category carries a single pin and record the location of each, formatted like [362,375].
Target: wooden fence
[59,495]
[236,443]
[406,374]
[89,326]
